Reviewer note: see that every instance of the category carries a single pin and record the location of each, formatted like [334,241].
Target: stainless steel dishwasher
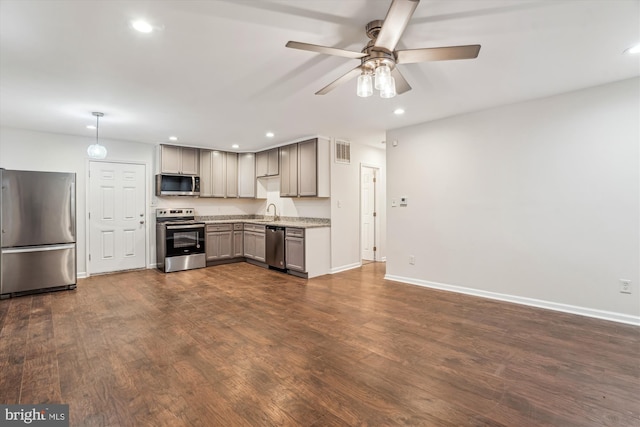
[275,247]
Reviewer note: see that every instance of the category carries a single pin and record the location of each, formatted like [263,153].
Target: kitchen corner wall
[536,202]
[345,205]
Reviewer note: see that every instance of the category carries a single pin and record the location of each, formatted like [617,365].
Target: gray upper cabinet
[289,171]
[218,174]
[305,169]
[231,160]
[179,160]
[267,163]
[247,175]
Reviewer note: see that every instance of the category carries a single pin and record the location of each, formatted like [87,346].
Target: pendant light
[97,151]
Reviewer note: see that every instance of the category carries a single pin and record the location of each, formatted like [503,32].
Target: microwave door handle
[193,183]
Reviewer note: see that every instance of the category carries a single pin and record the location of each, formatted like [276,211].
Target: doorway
[369,218]
[116,217]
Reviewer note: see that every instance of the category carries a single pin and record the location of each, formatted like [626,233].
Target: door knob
[141,222]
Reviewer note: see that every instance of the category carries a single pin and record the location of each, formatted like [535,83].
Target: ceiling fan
[379,59]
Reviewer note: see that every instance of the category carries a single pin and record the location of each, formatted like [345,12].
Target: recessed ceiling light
[142,26]
[173,138]
[91,126]
[269,134]
[235,146]
[633,49]
[398,111]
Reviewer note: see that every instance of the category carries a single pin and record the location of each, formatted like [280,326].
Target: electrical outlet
[625,286]
[412,259]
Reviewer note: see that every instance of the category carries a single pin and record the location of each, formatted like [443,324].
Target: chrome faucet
[275,212]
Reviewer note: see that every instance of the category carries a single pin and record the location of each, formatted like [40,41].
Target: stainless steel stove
[179,240]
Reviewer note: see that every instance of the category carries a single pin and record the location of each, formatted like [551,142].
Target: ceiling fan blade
[401,83]
[437,54]
[398,17]
[337,82]
[325,50]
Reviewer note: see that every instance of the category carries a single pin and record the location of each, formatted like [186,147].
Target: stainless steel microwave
[177,185]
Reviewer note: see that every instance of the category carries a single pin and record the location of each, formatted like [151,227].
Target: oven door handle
[182,227]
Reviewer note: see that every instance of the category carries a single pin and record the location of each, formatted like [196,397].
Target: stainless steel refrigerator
[38,231]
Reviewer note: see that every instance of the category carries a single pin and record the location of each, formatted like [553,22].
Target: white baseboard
[566,308]
[81,275]
[335,270]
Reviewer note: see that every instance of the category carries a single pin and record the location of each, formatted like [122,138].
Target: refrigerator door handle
[72,210]
[38,248]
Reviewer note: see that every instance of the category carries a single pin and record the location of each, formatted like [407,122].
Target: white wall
[345,190]
[536,202]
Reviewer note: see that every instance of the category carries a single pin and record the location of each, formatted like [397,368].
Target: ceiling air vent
[343,152]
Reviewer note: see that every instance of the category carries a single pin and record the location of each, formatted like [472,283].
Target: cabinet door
[262,163]
[170,159]
[289,171]
[189,161]
[218,174]
[307,168]
[246,175]
[272,164]
[212,246]
[232,174]
[225,245]
[205,174]
[294,253]
[249,244]
[238,246]
[260,246]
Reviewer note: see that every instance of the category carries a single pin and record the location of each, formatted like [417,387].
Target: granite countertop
[298,222]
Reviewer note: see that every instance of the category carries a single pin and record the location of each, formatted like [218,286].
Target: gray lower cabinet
[219,242]
[238,240]
[254,242]
[294,249]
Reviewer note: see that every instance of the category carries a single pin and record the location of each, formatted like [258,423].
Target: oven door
[186,239]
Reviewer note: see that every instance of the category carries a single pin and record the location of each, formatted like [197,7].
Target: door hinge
[375,214]
[375,248]
[89,215]
[90,256]
[374,179]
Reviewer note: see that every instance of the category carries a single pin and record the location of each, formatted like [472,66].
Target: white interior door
[117,221]
[368,212]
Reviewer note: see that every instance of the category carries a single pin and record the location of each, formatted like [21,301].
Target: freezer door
[27,269]
[38,208]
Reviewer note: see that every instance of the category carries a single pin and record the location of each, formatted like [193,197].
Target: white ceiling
[218,72]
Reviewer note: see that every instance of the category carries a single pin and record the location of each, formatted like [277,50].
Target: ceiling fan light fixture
[389,91]
[383,74]
[365,85]
[97,151]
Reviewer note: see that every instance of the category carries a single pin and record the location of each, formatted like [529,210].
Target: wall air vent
[343,152]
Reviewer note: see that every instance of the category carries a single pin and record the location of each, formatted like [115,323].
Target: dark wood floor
[237,345]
